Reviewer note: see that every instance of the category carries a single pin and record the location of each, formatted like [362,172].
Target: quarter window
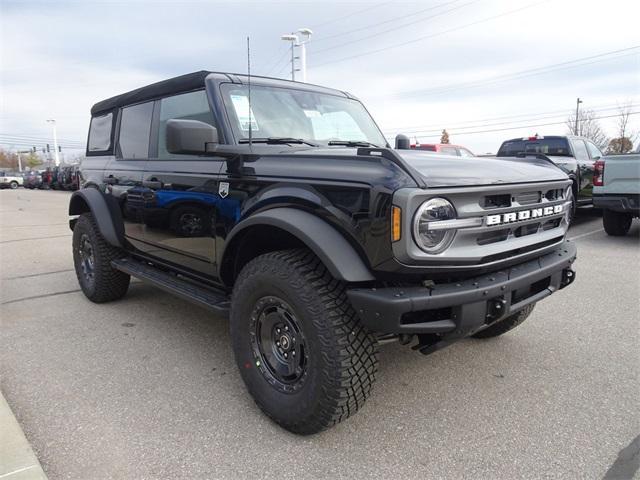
[135,125]
[100,133]
[187,106]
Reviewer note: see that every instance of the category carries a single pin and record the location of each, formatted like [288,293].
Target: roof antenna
[249,86]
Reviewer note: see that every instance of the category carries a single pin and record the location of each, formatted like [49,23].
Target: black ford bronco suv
[282,205]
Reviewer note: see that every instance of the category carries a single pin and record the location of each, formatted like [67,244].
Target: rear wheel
[13,185]
[616,224]
[301,351]
[503,326]
[92,257]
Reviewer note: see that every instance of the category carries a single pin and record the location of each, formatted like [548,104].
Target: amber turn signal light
[396,223]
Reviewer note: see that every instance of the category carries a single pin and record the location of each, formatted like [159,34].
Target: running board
[210,298]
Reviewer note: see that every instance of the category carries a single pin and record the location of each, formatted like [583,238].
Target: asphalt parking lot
[146,387]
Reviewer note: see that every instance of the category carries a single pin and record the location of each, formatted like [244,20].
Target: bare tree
[588,127]
[625,138]
[445,137]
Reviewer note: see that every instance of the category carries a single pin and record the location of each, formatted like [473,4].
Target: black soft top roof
[183,83]
[194,81]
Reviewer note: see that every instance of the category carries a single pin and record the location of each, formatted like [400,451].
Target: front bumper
[456,310]
[628,203]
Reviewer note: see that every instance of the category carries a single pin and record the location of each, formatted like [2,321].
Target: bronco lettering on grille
[523,215]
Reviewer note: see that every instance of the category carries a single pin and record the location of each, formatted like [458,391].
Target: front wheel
[616,224]
[92,257]
[503,326]
[13,185]
[301,351]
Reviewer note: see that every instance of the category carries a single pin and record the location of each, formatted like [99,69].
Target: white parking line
[586,234]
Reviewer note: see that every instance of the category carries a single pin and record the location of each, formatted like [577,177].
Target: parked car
[318,239]
[616,190]
[50,178]
[32,179]
[10,180]
[68,178]
[575,155]
[444,148]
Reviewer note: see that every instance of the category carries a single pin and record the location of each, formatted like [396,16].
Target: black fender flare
[335,252]
[105,210]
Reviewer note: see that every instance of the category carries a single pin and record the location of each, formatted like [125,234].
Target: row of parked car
[54,178]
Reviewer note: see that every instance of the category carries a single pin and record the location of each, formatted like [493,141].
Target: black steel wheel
[301,350]
[92,257]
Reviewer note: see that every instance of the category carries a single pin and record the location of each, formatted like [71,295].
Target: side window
[465,153]
[187,106]
[100,133]
[448,150]
[594,152]
[135,126]
[580,150]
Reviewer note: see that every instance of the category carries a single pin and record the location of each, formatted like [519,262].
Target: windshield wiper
[352,143]
[278,141]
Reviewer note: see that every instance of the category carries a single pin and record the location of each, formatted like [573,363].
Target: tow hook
[568,276]
[495,309]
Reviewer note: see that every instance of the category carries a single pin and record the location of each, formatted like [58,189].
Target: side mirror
[190,137]
[402,142]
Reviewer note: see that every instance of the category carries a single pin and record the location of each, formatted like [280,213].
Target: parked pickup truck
[281,205]
[575,155]
[10,180]
[616,190]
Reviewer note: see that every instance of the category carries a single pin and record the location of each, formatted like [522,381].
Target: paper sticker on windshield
[312,113]
[241,106]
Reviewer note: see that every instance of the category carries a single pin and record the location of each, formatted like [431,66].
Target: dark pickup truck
[282,205]
[574,155]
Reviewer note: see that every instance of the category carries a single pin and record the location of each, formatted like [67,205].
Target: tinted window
[579,150]
[188,106]
[100,133]
[135,125]
[548,146]
[594,152]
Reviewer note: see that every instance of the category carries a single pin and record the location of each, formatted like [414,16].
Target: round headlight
[433,210]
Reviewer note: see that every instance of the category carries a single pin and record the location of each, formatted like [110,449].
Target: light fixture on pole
[299,40]
[578,102]
[55,141]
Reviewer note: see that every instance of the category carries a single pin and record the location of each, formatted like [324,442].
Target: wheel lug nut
[286,356]
[286,328]
[277,344]
[278,330]
[293,353]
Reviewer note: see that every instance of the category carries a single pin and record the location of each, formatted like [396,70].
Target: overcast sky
[466,65]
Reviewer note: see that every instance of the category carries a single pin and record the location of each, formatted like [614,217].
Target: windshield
[548,146]
[311,116]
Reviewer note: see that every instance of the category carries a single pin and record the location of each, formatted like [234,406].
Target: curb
[17,460]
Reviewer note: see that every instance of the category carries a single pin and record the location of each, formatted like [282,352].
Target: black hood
[449,171]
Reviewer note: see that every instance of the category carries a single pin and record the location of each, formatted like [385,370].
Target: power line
[339,19]
[424,37]
[518,75]
[528,119]
[521,126]
[373,25]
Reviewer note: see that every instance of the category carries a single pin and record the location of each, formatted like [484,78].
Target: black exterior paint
[174,215]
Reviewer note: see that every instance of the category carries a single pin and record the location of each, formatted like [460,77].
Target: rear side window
[580,150]
[100,133]
[135,126]
[187,106]
[594,152]
[548,146]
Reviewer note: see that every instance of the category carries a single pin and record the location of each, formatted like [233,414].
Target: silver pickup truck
[616,190]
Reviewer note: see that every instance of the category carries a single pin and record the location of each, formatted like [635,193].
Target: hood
[449,171]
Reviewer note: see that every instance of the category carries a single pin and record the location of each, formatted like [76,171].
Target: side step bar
[209,298]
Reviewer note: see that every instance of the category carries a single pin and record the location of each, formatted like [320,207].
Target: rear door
[123,174]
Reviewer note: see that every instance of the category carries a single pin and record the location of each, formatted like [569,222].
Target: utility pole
[55,141]
[299,41]
[578,102]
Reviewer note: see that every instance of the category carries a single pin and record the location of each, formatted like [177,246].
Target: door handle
[152,184]
[110,180]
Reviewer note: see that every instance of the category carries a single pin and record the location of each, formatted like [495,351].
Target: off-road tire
[616,224]
[342,355]
[108,283]
[503,326]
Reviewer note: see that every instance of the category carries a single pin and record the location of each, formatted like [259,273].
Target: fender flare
[105,210]
[335,252]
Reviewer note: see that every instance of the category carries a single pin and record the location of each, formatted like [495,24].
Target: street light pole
[578,102]
[55,141]
[299,41]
